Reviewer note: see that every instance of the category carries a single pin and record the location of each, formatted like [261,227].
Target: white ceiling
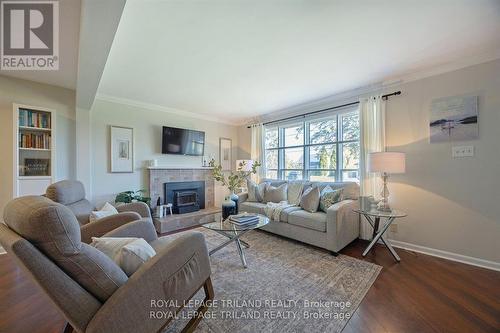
[69,28]
[232,60]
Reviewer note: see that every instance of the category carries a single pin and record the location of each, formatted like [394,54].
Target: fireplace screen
[186,198]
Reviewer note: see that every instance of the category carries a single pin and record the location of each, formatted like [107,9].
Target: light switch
[462,151]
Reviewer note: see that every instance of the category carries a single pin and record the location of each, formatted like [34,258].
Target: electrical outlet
[393,228]
[462,151]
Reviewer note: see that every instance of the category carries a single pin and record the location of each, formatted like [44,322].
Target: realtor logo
[30,35]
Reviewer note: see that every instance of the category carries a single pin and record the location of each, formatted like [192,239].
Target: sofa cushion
[310,199]
[294,192]
[54,230]
[252,207]
[255,191]
[314,221]
[286,212]
[275,194]
[329,197]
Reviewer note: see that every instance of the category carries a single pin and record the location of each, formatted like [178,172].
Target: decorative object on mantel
[122,149]
[386,163]
[454,119]
[131,196]
[225,153]
[244,169]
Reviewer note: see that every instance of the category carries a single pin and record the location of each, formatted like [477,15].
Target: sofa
[331,230]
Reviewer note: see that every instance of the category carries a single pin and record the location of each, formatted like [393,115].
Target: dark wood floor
[420,294]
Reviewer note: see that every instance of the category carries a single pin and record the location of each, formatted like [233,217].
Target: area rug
[287,287]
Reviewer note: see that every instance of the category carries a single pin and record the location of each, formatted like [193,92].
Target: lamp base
[383,205]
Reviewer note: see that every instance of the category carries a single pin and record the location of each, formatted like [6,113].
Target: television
[181,141]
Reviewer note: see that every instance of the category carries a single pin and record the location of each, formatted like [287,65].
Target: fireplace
[185,197]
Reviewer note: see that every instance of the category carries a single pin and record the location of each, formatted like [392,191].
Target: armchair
[71,194]
[90,290]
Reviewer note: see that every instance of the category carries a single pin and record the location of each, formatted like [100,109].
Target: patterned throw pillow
[255,192]
[329,197]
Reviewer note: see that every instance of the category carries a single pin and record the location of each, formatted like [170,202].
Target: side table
[389,217]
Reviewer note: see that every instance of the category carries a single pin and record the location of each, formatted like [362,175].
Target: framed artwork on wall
[225,152]
[122,149]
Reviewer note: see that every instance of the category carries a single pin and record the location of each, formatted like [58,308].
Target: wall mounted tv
[181,141]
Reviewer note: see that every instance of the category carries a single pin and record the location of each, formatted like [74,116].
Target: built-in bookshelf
[34,130]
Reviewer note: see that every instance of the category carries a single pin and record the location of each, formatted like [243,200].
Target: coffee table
[233,232]
[377,234]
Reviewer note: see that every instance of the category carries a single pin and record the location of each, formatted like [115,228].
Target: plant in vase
[233,180]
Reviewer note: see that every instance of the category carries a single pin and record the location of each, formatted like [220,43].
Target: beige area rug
[287,287]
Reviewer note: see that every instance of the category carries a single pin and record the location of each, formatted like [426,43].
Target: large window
[320,149]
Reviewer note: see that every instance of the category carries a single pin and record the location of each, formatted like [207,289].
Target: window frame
[306,125]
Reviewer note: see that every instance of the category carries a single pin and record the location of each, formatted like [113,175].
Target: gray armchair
[90,289]
[71,194]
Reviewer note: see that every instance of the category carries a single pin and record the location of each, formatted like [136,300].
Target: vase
[228,207]
[234,197]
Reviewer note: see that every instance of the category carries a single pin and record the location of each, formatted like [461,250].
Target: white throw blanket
[273,210]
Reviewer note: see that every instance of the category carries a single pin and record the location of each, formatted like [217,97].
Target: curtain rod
[327,109]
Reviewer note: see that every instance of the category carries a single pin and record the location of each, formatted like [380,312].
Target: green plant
[131,196]
[234,179]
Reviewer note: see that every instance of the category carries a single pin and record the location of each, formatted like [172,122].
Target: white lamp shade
[247,165]
[388,162]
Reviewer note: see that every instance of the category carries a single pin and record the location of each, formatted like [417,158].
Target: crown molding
[156,107]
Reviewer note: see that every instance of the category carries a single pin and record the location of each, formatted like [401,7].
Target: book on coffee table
[244,219]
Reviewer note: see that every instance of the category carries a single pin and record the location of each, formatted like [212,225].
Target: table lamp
[386,163]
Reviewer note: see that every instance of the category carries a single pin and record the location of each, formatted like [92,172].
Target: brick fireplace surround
[158,176]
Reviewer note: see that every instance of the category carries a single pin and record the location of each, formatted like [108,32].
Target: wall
[147,126]
[451,203]
[36,94]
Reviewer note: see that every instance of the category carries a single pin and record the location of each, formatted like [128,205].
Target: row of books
[31,140]
[34,119]
[244,219]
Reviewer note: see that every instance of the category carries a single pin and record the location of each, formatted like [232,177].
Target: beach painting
[454,119]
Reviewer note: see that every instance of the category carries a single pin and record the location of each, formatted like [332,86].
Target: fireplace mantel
[178,168]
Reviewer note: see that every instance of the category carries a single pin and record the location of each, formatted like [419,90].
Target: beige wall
[452,203]
[147,126]
[42,95]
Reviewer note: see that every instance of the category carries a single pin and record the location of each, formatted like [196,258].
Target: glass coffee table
[233,232]
[389,217]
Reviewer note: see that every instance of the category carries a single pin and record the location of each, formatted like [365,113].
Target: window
[325,149]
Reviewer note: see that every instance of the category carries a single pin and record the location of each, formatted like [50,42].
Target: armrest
[139,207]
[243,197]
[106,224]
[171,277]
[141,229]
[342,223]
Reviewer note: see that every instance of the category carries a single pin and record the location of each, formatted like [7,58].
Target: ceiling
[231,60]
[69,28]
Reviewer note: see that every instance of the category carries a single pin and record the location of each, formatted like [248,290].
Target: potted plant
[131,196]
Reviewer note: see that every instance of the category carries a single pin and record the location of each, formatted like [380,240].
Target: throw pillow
[255,191]
[127,252]
[275,194]
[294,192]
[310,199]
[106,210]
[329,197]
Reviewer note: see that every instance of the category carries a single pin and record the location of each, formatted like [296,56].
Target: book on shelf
[29,118]
[37,141]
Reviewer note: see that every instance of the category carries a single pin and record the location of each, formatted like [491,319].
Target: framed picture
[454,119]
[122,149]
[225,158]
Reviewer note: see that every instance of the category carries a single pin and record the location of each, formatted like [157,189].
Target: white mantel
[178,168]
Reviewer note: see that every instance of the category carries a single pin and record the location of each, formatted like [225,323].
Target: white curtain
[372,127]
[257,150]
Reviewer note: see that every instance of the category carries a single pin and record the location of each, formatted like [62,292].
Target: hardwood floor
[420,294]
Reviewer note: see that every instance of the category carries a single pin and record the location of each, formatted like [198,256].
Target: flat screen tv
[181,141]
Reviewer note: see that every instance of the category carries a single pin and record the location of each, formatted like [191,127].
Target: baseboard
[447,255]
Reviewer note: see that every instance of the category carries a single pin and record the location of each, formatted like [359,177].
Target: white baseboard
[447,255]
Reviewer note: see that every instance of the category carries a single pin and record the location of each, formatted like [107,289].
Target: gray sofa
[332,230]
